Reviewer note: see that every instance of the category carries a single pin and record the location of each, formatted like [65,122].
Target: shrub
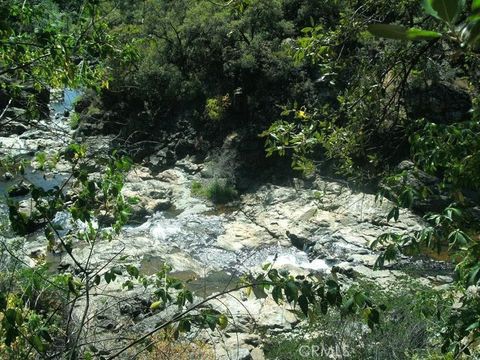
[197,189]
[217,191]
[409,327]
[74,121]
[216,107]
[220,192]
[213,109]
[28,297]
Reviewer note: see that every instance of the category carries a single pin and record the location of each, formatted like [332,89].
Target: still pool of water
[31,176]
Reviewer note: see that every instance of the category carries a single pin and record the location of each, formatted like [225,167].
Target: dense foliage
[219,67]
[322,83]
[50,43]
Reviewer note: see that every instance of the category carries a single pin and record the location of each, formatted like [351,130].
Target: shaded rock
[218,245]
[299,242]
[420,180]
[11,127]
[188,166]
[161,160]
[151,197]
[27,208]
[20,189]
[184,147]
[416,178]
[439,102]
[7,176]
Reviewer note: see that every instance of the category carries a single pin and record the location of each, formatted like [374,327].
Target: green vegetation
[409,328]
[216,108]
[51,43]
[217,191]
[74,121]
[23,307]
[349,88]
[202,61]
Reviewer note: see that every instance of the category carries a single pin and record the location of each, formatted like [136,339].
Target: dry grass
[166,348]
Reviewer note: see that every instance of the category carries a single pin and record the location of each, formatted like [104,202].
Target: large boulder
[439,102]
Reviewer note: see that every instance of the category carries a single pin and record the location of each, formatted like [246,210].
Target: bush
[217,191]
[409,327]
[220,192]
[28,296]
[74,121]
[196,56]
[197,189]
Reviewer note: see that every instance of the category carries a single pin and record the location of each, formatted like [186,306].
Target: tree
[451,152]
[51,44]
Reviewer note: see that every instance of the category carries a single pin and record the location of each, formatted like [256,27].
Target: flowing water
[56,126]
[194,238]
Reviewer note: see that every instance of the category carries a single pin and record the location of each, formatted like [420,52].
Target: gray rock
[257,354]
[211,243]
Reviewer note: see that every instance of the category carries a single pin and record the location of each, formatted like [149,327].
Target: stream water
[193,237]
[189,237]
[56,126]
[189,240]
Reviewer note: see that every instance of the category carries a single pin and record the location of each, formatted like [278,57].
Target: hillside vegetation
[382,96]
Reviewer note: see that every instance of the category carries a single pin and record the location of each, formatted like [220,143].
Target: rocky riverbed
[316,225]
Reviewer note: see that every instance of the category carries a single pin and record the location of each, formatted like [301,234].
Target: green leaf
[156,305]
[45,335]
[398,32]
[273,274]
[277,294]
[324,306]
[109,277]
[476,6]
[427,6]
[333,292]
[348,306]
[420,34]
[447,10]
[389,31]
[266,266]
[474,275]
[458,238]
[222,321]
[211,321]
[473,326]
[9,326]
[373,318]
[128,284]
[303,302]
[291,291]
[393,214]
[379,263]
[360,299]
[72,287]
[184,326]
[3,302]
[259,292]
[116,271]
[38,344]
[471,32]
[133,271]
